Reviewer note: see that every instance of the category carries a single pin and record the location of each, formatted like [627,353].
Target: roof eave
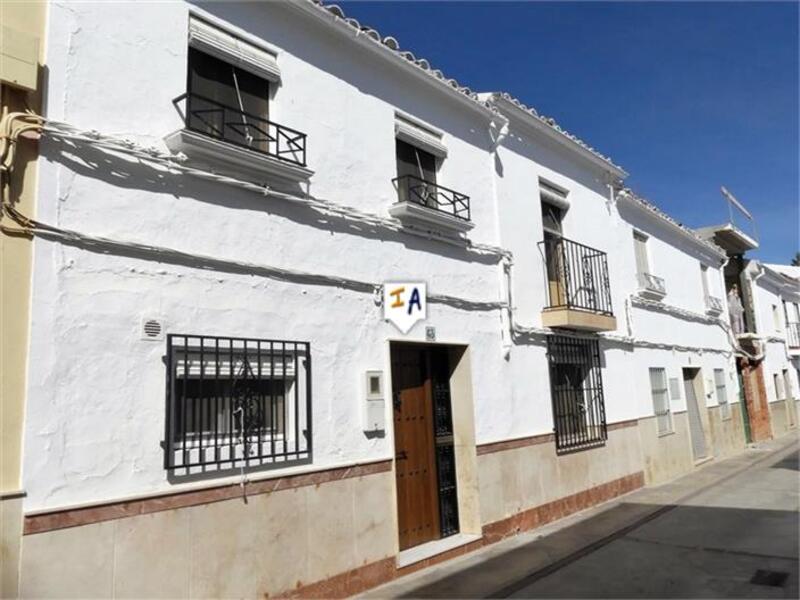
[341,26]
[540,126]
[656,214]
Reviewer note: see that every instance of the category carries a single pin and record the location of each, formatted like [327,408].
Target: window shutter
[419,137]
[640,249]
[231,49]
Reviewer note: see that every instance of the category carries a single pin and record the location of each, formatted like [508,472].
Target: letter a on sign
[404,304]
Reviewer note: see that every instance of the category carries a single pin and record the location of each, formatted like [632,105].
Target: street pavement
[730,529]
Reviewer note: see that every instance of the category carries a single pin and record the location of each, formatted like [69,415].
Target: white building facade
[228,198]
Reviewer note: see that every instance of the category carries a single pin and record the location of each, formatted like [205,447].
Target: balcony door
[552,217]
[227,102]
[416,172]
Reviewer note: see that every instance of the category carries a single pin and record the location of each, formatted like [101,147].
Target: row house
[204,386]
[764,311]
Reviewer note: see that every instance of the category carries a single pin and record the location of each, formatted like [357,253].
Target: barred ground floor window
[236,402]
[576,388]
[660,395]
[722,394]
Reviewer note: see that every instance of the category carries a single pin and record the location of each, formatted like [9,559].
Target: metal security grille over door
[237,402]
[443,435]
[576,387]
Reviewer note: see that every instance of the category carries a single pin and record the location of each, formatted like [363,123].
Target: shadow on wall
[92,162]
[326,50]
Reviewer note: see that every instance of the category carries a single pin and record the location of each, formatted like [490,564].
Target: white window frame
[641,240]
[721,390]
[664,424]
[779,393]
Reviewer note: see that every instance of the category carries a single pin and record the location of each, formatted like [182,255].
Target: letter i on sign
[404,304]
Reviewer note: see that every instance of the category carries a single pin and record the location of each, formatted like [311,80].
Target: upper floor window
[713,303]
[649,285]
[554,205]
[230,82]
[419,152]
[415,162]
[776,318]
[227,102]
[640,250]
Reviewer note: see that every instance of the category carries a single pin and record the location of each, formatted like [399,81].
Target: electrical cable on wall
[175,163]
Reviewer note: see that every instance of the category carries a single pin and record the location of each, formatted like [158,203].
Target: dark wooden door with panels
[427,501]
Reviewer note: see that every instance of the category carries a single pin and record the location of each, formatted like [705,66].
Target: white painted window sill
[420,215]
[423,551]
[233,159]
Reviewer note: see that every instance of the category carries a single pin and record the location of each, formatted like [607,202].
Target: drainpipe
[498,130]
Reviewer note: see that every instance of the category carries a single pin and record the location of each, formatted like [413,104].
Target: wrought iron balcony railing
[577,276]
[436,197]
[651,285]
[793,334]
[713,305]
[209,117]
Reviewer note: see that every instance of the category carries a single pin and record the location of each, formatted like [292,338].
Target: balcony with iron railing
[578,290]
[218,133]
[651,286]
[432,204]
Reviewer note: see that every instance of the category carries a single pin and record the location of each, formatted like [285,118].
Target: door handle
[402,455]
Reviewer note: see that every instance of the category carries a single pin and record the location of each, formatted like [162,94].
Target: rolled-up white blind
[227,47]
[419,138]
[553,195]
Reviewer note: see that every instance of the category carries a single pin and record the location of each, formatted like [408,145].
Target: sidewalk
[513,567]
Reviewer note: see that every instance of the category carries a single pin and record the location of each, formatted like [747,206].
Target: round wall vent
[152,329]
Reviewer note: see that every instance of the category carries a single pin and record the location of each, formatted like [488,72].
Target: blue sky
[685,96]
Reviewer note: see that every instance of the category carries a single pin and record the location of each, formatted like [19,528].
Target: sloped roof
[551,122]
[391,45]
[631,196]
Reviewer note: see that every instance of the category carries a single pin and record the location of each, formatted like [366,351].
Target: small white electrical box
[375,402]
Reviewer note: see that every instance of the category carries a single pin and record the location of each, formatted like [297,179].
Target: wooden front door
[414,443]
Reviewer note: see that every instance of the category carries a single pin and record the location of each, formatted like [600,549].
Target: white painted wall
[770,290]
[96,390]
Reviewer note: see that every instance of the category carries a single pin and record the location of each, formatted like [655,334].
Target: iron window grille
[416,190]
[577,276]
[576,388]
[237,402]
[660,395]
[722,394]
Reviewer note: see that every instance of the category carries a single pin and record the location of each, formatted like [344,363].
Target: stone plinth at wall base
[374,574]
[557,509]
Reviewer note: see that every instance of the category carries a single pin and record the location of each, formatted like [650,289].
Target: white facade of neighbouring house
[776,299]
[229,197]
